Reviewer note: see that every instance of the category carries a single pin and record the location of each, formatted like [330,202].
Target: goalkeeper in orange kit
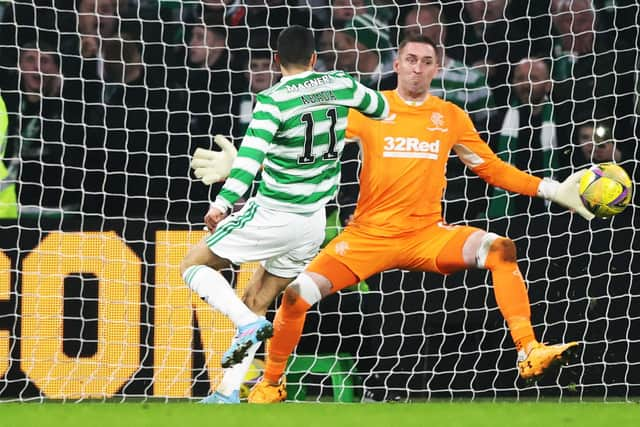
[398,220]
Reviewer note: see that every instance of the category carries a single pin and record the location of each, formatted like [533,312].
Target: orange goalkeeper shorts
[365,254]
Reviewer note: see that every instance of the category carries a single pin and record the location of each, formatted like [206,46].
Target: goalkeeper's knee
[300,295]
[495,250]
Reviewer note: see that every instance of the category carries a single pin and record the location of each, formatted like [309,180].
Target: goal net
[104,101]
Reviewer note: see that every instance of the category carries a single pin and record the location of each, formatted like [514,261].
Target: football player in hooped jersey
[398,221]
[296,135]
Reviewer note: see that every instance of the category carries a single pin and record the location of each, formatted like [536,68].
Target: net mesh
[106,100]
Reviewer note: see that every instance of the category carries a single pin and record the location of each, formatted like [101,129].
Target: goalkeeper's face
[416,65]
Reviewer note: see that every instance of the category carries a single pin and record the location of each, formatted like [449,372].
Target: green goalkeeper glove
[213,166]
[566,193]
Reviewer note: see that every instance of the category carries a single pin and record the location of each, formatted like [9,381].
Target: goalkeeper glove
[566,194]
[213,166]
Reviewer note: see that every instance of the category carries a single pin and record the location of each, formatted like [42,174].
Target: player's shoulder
[268,92]
[341,78]
[268,101]
[338,74]
[272,96]
[446,107]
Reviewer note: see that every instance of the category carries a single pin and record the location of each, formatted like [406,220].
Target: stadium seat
[338,367]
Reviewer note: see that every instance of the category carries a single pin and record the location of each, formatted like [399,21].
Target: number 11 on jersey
[307,157]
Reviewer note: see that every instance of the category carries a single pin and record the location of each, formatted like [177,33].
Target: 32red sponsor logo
[410,147]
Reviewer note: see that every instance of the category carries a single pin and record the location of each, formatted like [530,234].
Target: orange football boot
[542,357]
[265,392]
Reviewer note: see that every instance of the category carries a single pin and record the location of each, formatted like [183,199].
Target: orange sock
[510,291]
[287,328]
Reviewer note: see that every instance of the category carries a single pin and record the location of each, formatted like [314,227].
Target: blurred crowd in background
[107,99]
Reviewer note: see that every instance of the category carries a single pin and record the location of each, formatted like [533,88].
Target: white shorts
[284,242]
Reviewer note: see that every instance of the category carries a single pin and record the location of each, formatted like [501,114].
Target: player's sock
[234,376]
[214,289]
[511,293]
[287,326]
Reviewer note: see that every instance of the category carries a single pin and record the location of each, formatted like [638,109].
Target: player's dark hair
[296,45]
[418,39]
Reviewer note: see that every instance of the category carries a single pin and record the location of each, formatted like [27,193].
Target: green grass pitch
[431,414]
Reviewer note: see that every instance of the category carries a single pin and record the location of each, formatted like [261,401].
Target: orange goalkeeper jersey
[404,160]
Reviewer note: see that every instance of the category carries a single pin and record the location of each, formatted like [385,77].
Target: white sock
[234,376]
[216,291]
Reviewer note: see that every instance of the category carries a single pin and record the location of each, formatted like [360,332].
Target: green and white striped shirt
[297,134]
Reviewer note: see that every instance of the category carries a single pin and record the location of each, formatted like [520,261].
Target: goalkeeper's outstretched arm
[503,175]
[477,155]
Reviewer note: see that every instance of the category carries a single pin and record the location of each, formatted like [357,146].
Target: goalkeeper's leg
[324,275]
[498,254]
[288,324]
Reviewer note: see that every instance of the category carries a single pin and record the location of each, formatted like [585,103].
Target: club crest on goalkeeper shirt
[437,119]
[341,248]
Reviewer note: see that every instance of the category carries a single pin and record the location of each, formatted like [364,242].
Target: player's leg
[260,293]
[324,276]
[289,242]
[200,271]
[262,290]
[498,254]
[252,234]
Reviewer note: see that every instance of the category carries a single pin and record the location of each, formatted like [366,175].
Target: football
[605,189]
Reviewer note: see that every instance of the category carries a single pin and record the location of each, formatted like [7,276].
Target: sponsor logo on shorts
[410,148]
